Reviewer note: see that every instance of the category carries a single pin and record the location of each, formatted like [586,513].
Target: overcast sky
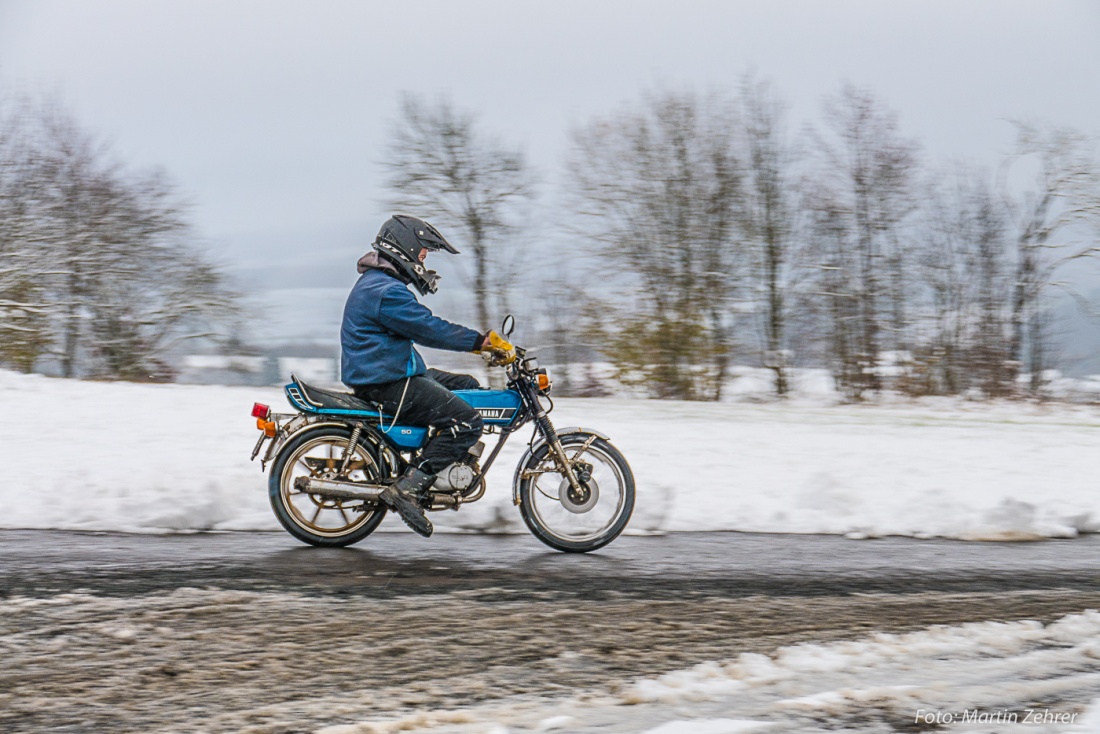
[272,115]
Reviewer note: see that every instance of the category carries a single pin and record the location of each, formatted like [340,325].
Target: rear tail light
[259,410]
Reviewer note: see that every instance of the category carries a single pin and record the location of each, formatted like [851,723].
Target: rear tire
[316,520]
[577,524]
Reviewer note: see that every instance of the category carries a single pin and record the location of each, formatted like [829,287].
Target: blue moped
[332,457]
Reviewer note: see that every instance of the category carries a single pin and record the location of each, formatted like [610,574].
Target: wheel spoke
[548,507]
[357,465]
[321,457]
[547,494]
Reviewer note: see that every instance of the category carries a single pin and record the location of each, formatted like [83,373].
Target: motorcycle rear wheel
[577,523]
[323,521]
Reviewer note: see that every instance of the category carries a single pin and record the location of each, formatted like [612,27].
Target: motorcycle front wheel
[323,521]
[572,521]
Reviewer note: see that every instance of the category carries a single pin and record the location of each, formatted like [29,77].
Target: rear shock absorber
[356,432]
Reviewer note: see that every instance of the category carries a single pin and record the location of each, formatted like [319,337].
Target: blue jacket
[382,319]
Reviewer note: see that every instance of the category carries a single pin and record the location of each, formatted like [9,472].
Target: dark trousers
[428,401]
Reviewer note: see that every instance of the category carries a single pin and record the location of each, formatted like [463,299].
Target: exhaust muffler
[338,490]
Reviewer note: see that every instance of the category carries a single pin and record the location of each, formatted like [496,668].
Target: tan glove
[500,349]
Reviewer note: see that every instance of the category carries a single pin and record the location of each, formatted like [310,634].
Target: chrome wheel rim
[599,514]
[321,458]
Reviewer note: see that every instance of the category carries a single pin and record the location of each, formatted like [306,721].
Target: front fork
[560,457]
[565,465]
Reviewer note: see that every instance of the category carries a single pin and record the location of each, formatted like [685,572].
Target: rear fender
[303,423]
[562,433]
[291,428]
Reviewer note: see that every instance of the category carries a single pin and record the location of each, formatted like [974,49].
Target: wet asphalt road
[387,565]
[217,632]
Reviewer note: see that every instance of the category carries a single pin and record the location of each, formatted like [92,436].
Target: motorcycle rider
[382,320]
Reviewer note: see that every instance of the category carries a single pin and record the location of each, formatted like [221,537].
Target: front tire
[323,521]
[564,520]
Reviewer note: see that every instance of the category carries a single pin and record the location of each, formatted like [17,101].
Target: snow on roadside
[163,458]
[957,678]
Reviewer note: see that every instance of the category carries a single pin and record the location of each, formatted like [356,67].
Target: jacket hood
[371,261]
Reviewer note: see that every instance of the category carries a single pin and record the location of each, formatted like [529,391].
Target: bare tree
[563,309]
[443,167]
[861,193]
[1056,222]
[26,310]
[963,260]
[768,215]
[123,281]
[657,189]
[158,290]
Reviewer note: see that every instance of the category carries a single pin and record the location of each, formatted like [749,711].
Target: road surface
[255,632]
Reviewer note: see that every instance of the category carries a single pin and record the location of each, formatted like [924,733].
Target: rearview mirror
[508,326]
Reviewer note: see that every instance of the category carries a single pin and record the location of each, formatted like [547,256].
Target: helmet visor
[429,237]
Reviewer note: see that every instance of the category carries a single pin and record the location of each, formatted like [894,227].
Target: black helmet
[400,241]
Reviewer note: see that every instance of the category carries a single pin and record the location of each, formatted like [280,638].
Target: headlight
[531,364]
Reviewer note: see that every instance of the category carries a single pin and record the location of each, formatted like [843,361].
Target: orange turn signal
[268,427]
[544,382]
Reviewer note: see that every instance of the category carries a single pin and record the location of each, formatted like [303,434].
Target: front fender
[562,433]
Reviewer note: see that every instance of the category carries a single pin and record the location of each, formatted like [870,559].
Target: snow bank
[978,673]
[161,458]
[957,678]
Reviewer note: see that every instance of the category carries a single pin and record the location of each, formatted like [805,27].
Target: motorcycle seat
[322,399]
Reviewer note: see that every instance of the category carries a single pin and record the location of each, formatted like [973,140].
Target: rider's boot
[403,497]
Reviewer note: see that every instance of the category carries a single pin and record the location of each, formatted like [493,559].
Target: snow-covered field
[156,458]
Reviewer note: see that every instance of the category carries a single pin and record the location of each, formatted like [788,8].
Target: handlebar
[502,358]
